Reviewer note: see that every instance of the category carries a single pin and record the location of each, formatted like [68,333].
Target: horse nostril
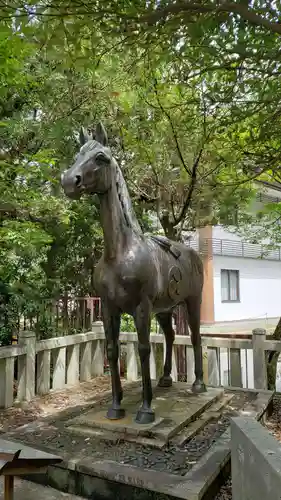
[78,181]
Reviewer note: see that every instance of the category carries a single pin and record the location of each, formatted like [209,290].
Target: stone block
[255,461]
[174,408]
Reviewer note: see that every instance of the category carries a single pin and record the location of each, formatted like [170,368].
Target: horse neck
[118,219]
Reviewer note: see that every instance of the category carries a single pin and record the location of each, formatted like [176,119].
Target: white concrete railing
[64,361]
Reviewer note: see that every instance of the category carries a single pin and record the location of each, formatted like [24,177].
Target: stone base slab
[175,407]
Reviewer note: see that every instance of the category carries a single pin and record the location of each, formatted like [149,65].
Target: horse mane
[125,201]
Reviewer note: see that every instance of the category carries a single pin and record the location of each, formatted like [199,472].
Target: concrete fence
[255,461]
[36,367]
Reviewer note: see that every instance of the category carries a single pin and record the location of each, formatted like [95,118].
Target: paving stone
[26,490]
[26,451]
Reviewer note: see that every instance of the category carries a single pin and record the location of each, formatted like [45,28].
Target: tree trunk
[65,311]
[272,358]
[169,229]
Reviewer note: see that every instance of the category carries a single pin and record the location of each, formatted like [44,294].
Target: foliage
[128,325]
[191,99]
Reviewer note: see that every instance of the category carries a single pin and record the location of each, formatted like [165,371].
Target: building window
[230,286]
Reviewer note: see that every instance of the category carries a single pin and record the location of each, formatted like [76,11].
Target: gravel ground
[225,492]
[274,422]
[170,459]
[14,417]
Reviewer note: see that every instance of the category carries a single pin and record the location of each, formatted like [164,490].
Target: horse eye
[101,158]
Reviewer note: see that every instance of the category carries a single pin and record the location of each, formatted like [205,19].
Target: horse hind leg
[165,322]
[142,316]
[193,307]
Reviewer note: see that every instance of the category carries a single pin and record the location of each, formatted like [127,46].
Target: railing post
[174,372]
[152,362]
[205,364]
[235,368]
[97,351]
[59,360]
[98,358]
[26,365]
[72,369]
[85,368]
[97,327]
[132,364]
[213,366]
[6,382]
[91,307]
[189,357]
[43,372]
[260,372]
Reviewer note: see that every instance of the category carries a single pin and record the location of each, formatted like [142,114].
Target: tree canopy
[190,94]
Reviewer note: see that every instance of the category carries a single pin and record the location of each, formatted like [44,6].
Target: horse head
[91,171]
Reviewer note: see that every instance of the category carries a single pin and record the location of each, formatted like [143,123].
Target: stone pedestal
[175,408]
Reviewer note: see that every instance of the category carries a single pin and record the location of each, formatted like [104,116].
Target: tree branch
[190,189]
[22,216]
[181,7]
[165,112]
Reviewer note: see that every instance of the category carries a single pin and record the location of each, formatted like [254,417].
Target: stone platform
[182,455]
[175,407]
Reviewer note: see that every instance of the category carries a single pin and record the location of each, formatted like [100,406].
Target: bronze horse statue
[136,274]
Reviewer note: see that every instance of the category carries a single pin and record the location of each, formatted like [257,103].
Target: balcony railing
[232,248]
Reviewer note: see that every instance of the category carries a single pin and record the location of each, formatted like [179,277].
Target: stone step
[193,428]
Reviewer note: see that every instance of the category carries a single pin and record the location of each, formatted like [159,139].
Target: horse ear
[101,135]
[83,136]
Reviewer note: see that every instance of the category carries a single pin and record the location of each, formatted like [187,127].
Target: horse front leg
[142,316]
[111,322]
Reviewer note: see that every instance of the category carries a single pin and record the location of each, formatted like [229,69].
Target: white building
[242,281]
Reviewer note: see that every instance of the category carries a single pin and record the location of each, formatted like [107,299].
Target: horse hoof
[115,413]
[165,381]
[198,387]
[145,417]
